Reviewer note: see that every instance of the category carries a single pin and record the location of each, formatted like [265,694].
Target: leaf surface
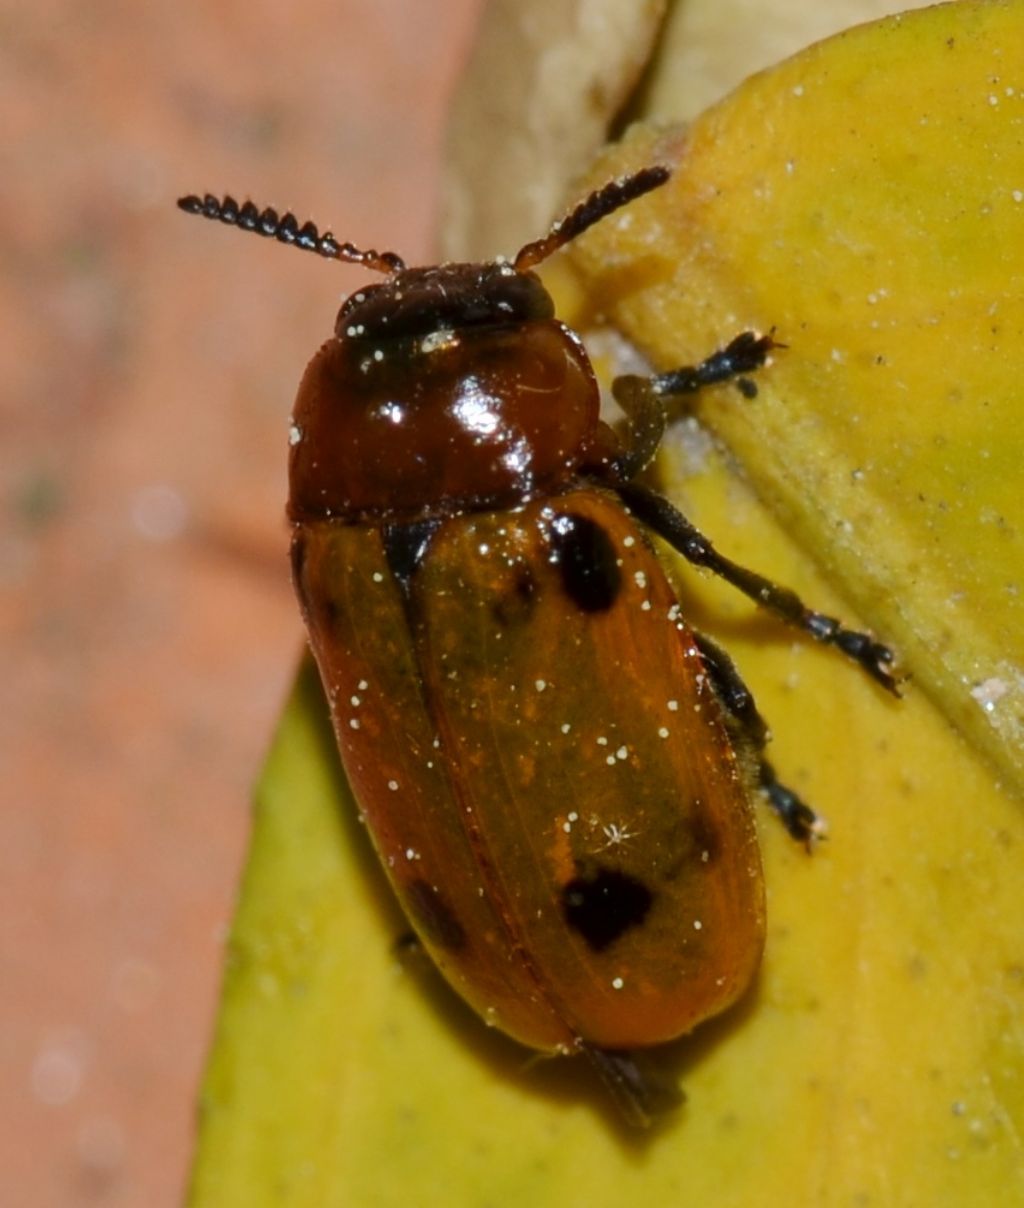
[862,199]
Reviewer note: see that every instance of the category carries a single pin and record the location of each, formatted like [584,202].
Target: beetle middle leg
[749,729]
[669,523]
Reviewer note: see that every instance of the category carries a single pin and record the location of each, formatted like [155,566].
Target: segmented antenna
[598,205]
[285,228]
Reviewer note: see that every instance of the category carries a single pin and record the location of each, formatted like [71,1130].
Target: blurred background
[149,361]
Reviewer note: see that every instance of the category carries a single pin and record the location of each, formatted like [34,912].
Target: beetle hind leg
[751,733]
[642,1093]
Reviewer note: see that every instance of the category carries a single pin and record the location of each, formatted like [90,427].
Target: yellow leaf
[865,199]
[861,198]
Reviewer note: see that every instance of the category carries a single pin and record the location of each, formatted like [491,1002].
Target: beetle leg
[797,816]
[643,1094]
[646,417]
[407,944]
[751,735]
[645,400]
[742,355]
[669,523]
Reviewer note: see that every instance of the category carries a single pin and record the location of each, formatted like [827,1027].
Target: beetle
[557,771]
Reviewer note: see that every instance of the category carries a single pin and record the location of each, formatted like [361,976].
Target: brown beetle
[556,770]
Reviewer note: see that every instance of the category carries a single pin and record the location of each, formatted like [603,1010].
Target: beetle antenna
[602,202]
[285,228]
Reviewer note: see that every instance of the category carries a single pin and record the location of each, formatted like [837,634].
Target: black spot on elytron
[747,387]
[604,905]
[405,547]
[433,917]
[587,560]
[515,605]
[692,846]
[707,842]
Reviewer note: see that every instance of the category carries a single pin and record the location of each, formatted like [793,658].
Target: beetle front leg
[668,522]
[645,400]
[646,418]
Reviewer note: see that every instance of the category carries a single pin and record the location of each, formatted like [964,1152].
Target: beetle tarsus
[797,817]
[875,657]
[742,355]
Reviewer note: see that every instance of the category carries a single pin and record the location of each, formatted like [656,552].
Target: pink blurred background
[149,362]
